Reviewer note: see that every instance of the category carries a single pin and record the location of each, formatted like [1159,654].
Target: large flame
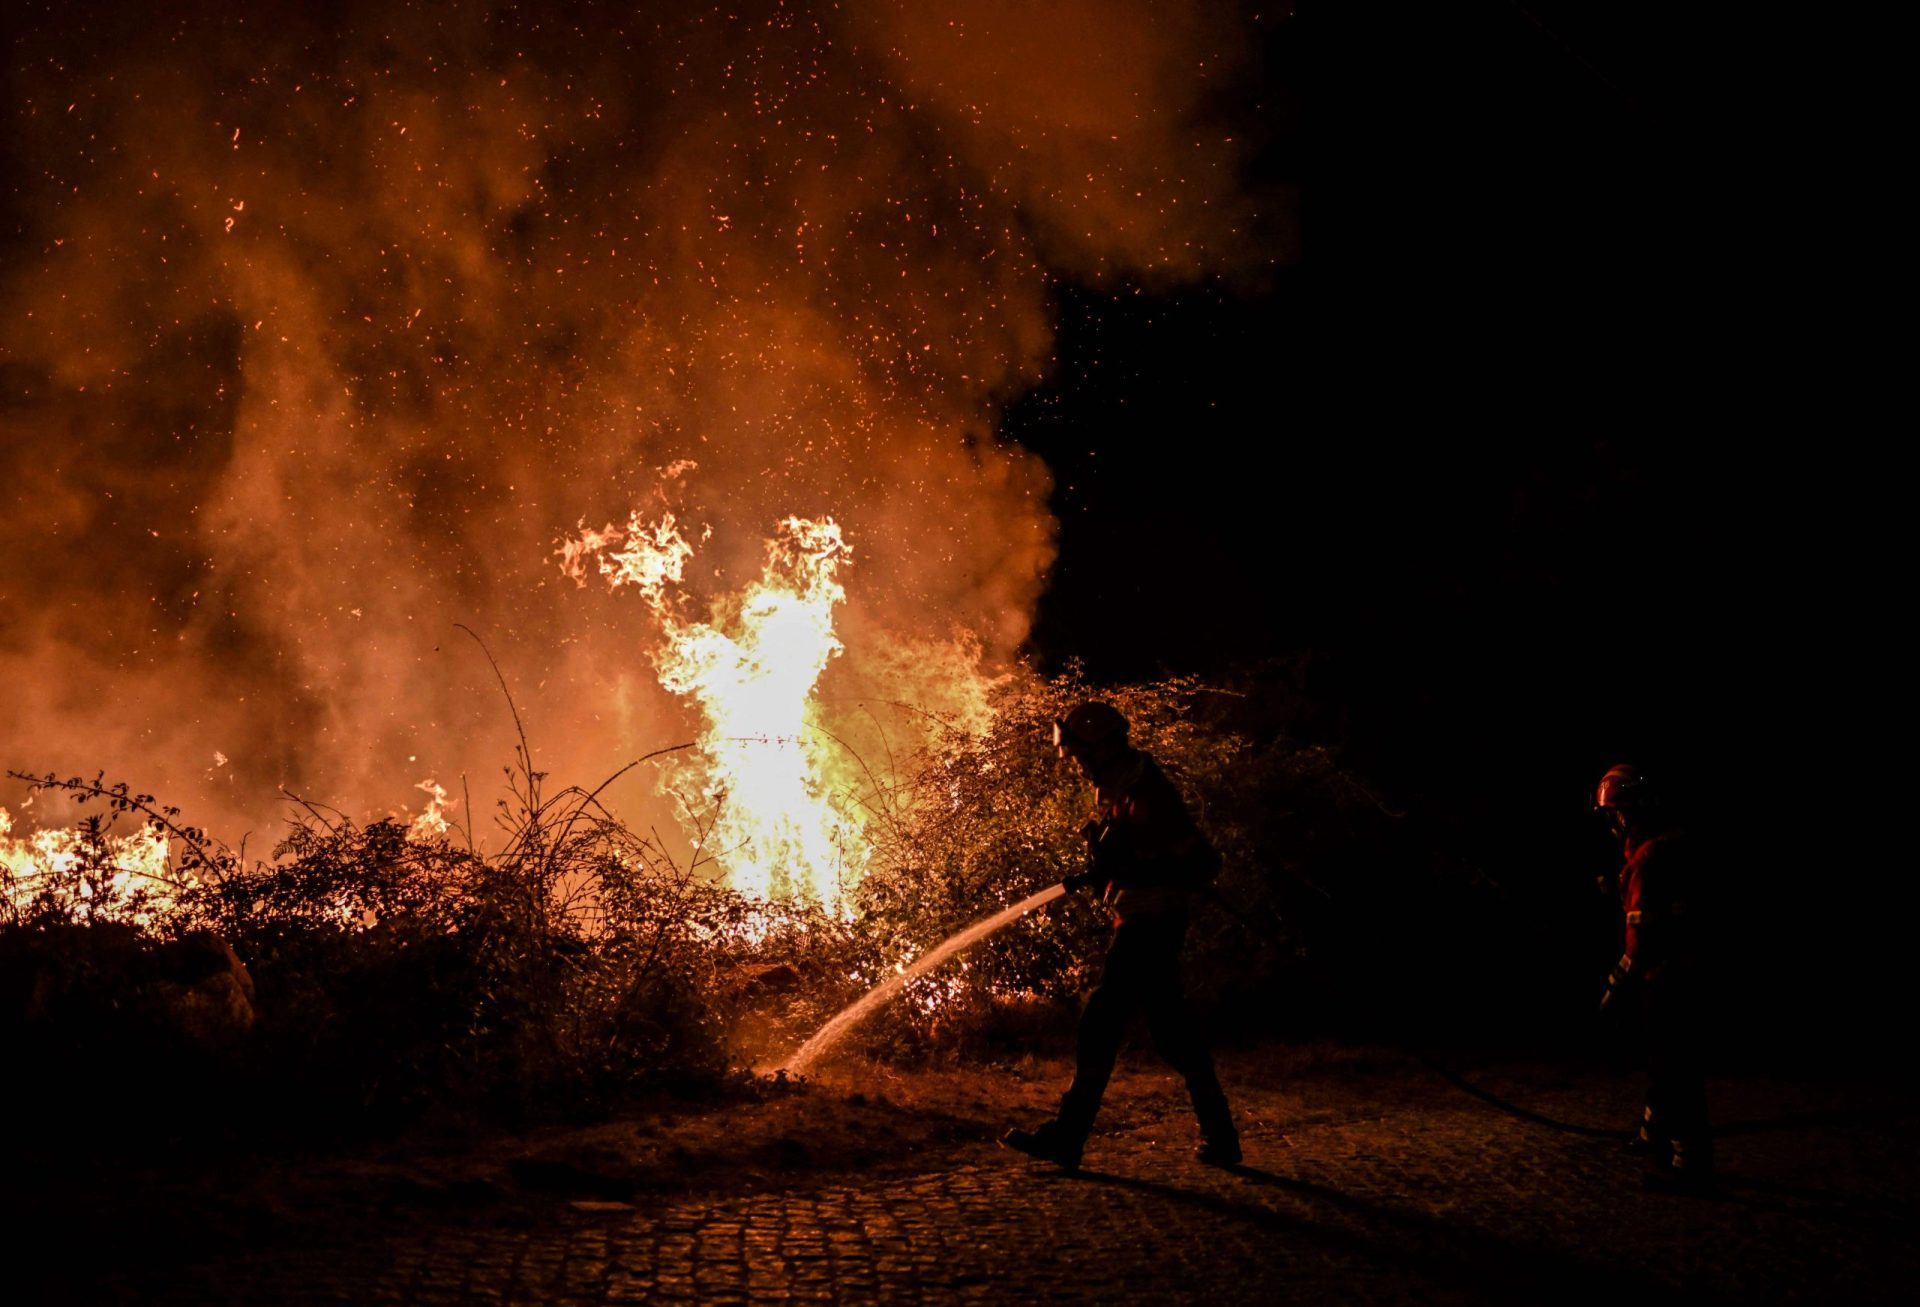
[763,795]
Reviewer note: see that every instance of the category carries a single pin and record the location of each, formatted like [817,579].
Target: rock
[204,988]
[106,981]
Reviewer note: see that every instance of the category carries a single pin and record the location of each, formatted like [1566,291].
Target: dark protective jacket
[1658,886]
[1144,845]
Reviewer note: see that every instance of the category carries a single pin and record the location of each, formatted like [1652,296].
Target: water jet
[850,1015]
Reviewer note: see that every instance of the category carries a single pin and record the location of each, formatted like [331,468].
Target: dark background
[1526,461]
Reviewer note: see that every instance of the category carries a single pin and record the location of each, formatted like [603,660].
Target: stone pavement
[1394,1189]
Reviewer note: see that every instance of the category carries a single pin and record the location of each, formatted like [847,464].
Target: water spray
[830,1033]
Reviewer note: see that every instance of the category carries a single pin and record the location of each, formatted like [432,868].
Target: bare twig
[205,852]
[313,809]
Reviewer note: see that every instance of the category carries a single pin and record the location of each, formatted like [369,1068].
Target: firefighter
[1147,859]
[1659,969]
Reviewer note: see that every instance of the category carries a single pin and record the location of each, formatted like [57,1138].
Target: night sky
[1472,447]
[1523,464]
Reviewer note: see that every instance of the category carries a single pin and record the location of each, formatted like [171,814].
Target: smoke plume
[322,326]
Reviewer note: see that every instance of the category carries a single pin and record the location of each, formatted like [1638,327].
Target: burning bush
[986,819]
[396,967]
[399,965]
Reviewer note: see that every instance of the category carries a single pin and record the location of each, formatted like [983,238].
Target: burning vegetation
[561,957]
[765,768]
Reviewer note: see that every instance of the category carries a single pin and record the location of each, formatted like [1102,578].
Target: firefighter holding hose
[1147,859]
[1659,970]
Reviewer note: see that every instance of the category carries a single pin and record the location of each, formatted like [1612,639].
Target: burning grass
[564,958]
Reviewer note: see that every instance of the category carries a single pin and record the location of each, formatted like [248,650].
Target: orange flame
[764,771]
[431,823]
[52,860]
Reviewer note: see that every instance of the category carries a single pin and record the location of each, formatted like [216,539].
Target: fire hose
[1088,879]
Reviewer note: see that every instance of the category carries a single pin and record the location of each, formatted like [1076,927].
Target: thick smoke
[321,327]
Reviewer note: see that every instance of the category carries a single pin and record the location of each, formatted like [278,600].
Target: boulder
[203,987]
[105,981]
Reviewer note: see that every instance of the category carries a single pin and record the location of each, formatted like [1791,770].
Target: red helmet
[1624,789]
[1091,725]
[1625,798]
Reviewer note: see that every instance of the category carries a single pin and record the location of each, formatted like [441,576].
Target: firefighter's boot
[1687,1168]
[1050,1141]
[1218,1150]
[1219,1140]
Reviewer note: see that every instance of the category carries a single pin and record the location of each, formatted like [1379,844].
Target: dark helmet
[1090,726]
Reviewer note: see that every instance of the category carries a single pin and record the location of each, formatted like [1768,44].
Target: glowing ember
[751,668]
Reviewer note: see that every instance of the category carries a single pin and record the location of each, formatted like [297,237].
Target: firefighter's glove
[1081,880]
[1617,982]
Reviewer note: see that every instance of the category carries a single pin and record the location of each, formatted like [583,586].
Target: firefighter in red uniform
[1147,858]
[1660,967]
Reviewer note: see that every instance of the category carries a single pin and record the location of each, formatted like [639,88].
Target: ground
[1371,1176]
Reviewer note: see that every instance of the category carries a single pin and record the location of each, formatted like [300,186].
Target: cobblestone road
[1436,1197]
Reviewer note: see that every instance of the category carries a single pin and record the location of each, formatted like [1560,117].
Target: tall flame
[764,772]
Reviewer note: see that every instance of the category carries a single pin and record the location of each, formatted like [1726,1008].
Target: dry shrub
[976,823]
[394,972]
